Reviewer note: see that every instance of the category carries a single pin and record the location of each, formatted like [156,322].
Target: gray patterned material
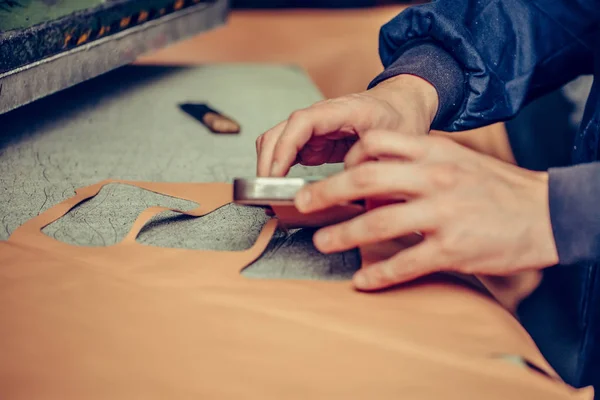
[127,125]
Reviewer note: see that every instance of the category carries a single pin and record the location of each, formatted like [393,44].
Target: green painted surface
[19,14]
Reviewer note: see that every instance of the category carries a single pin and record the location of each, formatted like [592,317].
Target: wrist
[409,92]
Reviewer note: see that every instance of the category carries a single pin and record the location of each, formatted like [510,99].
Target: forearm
[574,195]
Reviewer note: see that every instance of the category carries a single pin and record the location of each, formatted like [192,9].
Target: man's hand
[478,215]
[324,132]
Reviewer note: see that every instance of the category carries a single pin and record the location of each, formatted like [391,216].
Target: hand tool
[267,191]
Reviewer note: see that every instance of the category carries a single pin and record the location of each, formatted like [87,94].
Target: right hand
[324,132]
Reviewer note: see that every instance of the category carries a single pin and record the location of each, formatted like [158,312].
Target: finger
[386,144]
[373,179]
[405,266]
[266,147]
[317,152]
[378,225]
[301,126]
[259,144]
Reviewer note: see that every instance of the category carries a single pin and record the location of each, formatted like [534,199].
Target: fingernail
[360,281]
[274,168]
[322,239]
[303,200]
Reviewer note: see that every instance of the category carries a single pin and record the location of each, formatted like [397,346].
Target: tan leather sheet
[137,322]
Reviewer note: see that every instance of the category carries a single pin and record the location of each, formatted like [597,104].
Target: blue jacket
[488,59]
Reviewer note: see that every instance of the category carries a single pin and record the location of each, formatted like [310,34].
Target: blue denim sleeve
[509,52]
[574,193]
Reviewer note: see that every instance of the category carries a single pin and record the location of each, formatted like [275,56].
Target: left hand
[478,215]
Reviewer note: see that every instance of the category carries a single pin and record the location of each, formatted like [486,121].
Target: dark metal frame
[90,58]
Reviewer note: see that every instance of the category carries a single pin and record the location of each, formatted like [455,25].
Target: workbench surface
[127,125]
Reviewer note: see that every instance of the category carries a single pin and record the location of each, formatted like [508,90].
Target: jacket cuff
[574,194]
[433,64]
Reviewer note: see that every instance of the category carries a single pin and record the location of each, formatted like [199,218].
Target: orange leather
[137,322]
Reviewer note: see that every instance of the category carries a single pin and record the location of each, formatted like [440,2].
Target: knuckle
[443,175]
[318,194]
[298,115]
[346,237]
[385,274]
[392,273]
[362,177]
[447,248]
[442,211]
[370,143]
[377,226]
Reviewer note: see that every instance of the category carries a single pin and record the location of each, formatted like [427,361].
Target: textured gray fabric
[127,125]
